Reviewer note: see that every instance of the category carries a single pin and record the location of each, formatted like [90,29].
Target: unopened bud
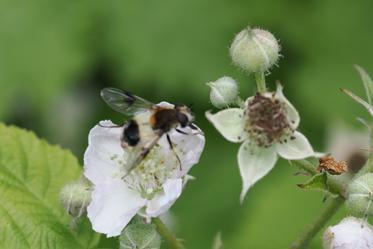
[76,196]
[350,233]
[254,50]
[223,92]
[143,236]
[360,195]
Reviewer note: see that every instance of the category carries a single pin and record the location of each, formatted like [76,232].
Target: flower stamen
[267,120]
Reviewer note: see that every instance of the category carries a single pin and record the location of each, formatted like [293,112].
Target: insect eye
[182,118]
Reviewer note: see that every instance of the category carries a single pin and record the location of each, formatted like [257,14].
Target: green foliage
[367,82]
[168,50]
[32,173]
[140,236]
[317,182]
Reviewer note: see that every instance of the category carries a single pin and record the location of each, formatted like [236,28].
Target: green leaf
[140,236]
[317,182]
[32,172]
[367,81]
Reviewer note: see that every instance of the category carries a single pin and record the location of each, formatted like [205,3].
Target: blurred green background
[55,56]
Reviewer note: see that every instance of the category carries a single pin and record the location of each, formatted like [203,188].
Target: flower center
[148,177]
[267,120]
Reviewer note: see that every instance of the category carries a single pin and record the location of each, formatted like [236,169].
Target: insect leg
[193,126]
[182,132]
[173,149]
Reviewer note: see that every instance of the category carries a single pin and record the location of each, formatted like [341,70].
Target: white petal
[160,204]
[229,123]
[296,147]
[350,233]
[292,113]
[254,163]
[166,105]
[113,206]
[188,147]
[103,144]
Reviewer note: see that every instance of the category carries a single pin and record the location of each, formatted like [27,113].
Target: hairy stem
[167,235]
[329,210]
[260,82]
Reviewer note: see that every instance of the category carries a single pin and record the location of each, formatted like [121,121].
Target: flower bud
[254,50]
[351,232]
[76,196]
[223,92]
[140,236]
[360,195]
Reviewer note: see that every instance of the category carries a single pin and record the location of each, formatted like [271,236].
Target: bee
[148,123]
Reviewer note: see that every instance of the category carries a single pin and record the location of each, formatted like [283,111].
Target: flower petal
[188,146]
[172,189]
[113,206]
[296,147]
[292,113]
[229,123]
[103,145]
[254,163]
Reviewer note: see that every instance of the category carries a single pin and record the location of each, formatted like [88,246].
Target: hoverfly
[148,123]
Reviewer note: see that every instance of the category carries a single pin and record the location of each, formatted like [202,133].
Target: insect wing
[138,153]
[125,102]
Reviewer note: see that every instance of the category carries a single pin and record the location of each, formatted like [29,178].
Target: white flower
[149,190]
[350,233]
[266,126]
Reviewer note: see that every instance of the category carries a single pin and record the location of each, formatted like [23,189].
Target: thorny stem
[260,82]
[330,209]
[306,165]
[167,235]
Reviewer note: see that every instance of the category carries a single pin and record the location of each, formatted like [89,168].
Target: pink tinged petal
[172,190]
[229,123]
[103,145]
[254,163]
[291,112]
[188,146]
[296,147]
[113,206]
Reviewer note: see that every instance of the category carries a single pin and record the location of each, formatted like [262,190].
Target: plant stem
[167,235]
[306,165]
[260,82]
[330,209]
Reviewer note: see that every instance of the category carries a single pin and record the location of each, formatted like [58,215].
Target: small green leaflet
[367,81]
[32,172]
[317,182]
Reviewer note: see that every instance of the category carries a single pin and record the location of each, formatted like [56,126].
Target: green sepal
[367,81]
[139,235]
[317,182]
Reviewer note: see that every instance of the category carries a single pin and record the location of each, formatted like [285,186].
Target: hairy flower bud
[76,196]
[140,236]
[360,195]
[254,50]
[223,92]
[351,232]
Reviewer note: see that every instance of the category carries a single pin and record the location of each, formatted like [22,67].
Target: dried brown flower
[330,165]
